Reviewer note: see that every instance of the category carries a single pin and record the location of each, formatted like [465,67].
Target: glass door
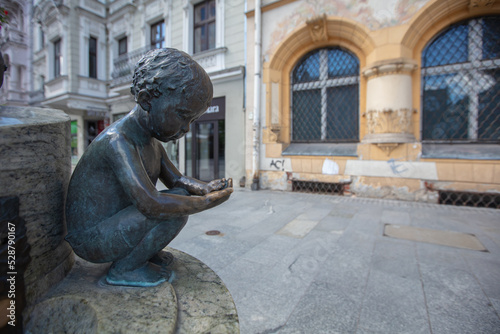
[205,143]
[205,150]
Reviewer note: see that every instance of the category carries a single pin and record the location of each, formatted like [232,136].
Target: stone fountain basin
[195,301]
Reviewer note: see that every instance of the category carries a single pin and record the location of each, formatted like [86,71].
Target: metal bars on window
[325,95]
[485,200]
[318,187]
[460,83]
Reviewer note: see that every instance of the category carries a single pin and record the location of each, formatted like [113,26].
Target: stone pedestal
[35,166]
[194,301]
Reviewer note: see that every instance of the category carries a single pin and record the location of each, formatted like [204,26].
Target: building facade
[210,31]
[389,99]
[15,40]
[69,65]
[84,56]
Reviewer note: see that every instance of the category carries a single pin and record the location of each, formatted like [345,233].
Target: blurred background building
[84,52]
[390,99]
[15,45]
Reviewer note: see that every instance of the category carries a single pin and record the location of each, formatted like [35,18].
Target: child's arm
[127,166]
[171,177]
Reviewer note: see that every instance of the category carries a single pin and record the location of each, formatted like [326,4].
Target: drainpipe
[256,92]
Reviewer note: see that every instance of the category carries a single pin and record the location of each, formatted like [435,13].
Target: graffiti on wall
[277,164]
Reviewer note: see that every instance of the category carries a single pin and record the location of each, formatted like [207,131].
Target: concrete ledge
[326,149]
[461,151]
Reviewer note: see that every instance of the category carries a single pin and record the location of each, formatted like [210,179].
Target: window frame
[211,19]
[120,42]
[57,44]
[325,83]
[473,64]
[92,57]
[154,42]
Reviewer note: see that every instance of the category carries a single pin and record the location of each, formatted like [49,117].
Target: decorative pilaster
[270,135]
[389,103]
[480,3]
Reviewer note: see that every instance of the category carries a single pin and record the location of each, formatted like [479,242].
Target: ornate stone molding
[389,121]
[317,28]
[389,128]
[211,60]
[473,4]
[270,135]
[393,66]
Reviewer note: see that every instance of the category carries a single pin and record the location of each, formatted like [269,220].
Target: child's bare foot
[162,258]
[147,275]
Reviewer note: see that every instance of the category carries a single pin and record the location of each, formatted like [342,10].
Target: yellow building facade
[425,123]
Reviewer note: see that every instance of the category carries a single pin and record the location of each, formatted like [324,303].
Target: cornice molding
[392,66]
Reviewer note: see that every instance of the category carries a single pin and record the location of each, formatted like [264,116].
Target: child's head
[173,72]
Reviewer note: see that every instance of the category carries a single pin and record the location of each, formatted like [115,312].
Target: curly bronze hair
[169,70]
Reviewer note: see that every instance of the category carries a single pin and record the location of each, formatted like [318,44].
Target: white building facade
[15,46]
[85,52]
[69,65]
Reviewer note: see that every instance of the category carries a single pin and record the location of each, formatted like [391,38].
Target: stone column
[389,105]
[35,167]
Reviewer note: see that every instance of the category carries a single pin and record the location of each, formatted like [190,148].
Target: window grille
[325,95]
[484,200]
[460,83]
[318,187]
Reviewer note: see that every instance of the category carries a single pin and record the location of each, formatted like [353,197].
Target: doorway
[205,144]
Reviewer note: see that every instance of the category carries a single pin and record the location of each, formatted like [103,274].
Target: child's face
[171,122]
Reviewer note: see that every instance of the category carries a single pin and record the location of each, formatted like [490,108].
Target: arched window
[461,83]
[325,97]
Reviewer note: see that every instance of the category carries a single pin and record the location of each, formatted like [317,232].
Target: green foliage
[3,16]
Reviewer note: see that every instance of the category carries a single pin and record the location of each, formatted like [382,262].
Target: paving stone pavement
[305,263]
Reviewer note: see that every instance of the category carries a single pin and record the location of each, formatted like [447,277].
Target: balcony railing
[124,66]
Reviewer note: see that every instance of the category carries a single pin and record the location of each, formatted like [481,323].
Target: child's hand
[218,197]
[218,185]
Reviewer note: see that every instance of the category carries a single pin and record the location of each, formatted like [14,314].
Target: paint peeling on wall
[374,14]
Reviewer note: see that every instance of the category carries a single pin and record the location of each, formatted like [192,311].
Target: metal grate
[325,97]
[317,187]
[461,83]
[470,199]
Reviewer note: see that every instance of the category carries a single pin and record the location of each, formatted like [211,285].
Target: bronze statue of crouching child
[114,212]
